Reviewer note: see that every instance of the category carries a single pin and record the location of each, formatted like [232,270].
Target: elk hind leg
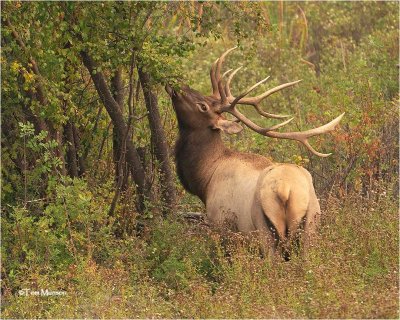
[311,222]
[296,219]
[271,220]
[266,231]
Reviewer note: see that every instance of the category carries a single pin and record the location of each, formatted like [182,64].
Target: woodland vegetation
[91,205]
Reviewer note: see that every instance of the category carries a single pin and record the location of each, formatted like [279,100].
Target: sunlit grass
[182,270]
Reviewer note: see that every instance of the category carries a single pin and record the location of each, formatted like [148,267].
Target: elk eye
[203,107]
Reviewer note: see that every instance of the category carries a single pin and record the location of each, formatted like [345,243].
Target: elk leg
[266,231]
[313,217]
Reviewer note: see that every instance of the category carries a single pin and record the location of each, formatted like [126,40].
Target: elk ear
[227,126]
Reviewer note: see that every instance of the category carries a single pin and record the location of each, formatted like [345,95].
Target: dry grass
[184,271]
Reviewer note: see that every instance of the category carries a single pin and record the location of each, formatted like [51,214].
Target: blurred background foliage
[71,216]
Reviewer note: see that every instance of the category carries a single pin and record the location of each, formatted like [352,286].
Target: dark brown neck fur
[197,153]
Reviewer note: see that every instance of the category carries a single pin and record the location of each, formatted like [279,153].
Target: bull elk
[277,201]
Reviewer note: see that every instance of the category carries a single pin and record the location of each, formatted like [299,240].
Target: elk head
[195,111]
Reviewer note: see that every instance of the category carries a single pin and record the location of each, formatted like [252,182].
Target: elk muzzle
[171,92]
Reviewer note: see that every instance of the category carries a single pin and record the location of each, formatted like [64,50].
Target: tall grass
[182,270]
[170,268]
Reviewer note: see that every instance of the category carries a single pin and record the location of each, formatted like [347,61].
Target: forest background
[91,206]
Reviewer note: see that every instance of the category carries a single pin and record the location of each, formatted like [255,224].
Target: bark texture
[159,142]
[119,147]
[117,119]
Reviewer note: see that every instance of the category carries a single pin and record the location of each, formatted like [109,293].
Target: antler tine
[222,93]
[214,81]
[215,72]
[260,97]
[238,98]
[270,115]
[279,125]
[228,82]
[301,136]
[256,100]
[222,90]
[231,108]
[226,72]
[221,61]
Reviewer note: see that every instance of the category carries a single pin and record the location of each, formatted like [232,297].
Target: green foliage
[352,272]
[73,226]
[48,162]
[56,231]
[176,263]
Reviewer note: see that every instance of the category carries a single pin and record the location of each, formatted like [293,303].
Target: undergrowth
[58,233]
[184,270]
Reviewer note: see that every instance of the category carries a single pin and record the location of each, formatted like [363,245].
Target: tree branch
[116,116]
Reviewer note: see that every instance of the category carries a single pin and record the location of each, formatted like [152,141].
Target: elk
[251,193]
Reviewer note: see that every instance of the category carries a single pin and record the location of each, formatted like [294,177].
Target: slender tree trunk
[121,172]
[72,165]
[159,142]
[117,118]
[88,146]
[57,136]
[78,148]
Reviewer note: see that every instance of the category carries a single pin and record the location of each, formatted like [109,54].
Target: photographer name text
[41,293]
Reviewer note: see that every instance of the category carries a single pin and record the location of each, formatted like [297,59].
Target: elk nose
[170,90]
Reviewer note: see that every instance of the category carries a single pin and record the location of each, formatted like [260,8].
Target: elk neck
[197,155]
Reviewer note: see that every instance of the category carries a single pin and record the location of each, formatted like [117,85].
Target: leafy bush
[57,232]
[178,262]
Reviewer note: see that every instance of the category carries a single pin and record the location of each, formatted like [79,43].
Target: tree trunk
[78,147]
[121,171]
[117,119]
[71,163]
[159,142]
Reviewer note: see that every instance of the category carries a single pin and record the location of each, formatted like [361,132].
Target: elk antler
[229,102]
[215,75]
[215,72]
[254,101]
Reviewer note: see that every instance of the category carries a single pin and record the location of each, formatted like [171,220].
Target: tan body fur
[249,195]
